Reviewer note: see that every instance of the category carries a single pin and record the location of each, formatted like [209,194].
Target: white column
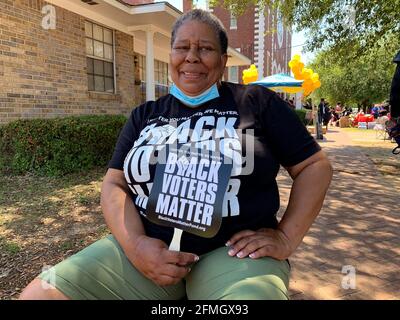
[261,35]
[298,100]
[150,87]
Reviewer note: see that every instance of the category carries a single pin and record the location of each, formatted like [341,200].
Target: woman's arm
[311,181]
[149,255]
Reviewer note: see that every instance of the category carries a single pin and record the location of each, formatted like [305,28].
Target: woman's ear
[224,60]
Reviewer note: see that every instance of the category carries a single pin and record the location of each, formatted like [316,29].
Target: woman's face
[196,61]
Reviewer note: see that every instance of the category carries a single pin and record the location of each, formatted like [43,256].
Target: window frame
[159,74]
[93,57]
[230,74]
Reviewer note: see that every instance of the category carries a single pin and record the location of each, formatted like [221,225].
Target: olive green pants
[102,271]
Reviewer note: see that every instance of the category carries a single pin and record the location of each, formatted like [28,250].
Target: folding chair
[362,125]
[380,132]
[381,128]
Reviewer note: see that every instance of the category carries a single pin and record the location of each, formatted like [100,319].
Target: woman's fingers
[174,271]
[237,236]
[260,243]
[180,258]
[239,248]
[265,251]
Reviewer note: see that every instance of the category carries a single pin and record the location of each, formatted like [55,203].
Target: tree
[340,24]
[362,80]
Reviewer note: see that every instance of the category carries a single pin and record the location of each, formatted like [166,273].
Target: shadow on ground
[42,221]
[358,229]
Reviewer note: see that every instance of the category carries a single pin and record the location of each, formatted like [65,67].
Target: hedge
[58,146]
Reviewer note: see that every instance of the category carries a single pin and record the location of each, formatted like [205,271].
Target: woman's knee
[260,288]
[39,289]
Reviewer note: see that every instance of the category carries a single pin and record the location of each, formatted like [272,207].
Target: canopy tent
[281,83]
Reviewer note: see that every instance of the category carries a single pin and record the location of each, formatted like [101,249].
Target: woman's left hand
[261,243]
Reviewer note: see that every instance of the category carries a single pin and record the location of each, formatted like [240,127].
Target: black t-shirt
[252,198]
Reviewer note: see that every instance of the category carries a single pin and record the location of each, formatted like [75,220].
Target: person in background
[395,90]
[291,104]
[339,109]
[327,116]
[375,111]
[321,110]
[394,128]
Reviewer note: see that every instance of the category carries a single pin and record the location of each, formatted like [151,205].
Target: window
[99,57]
[142,73]
[233,74]
[160,77]
[233,22]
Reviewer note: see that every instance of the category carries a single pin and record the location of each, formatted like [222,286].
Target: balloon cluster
[311,79]
[250,74]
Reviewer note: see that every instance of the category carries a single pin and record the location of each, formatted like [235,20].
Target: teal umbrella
[281,82]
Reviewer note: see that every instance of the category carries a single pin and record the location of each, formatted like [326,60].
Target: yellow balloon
[307,73]
[296,70]
[315,77]
[307,83]
[298,76]
[296,57]
[250,74]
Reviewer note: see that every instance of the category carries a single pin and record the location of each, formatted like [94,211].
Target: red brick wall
[276,57]
[43,72]
[187,5]
[242,37]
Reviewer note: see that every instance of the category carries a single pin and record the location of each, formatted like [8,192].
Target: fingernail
[231,252]
[228,243]
[196,258]
[240,254]
[252,255]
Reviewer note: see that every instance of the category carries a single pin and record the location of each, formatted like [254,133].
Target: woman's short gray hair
[204,17]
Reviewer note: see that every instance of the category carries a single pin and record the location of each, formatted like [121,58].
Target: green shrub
[301,113]
[58,146]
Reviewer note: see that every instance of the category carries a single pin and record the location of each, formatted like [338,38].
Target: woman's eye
[206,49]
[181,48]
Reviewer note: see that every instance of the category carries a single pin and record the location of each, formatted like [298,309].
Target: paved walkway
[357,232]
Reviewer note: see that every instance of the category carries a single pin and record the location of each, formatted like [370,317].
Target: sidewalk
[358,229]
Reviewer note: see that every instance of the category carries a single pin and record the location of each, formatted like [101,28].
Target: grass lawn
[42,221]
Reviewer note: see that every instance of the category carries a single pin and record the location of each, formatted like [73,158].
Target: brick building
[69,57]
[258,34]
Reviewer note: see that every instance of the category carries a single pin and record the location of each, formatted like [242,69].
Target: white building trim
[259,43]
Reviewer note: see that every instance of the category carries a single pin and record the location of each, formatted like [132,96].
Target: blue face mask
[207,95]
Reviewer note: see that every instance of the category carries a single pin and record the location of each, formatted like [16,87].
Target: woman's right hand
[153,259]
